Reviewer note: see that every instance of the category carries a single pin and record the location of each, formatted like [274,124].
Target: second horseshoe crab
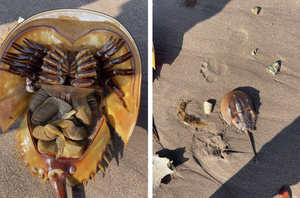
[237,109]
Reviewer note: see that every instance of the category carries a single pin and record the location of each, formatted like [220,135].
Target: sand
[127,174]
[204,52]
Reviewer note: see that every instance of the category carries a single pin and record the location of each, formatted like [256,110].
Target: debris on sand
[186,118]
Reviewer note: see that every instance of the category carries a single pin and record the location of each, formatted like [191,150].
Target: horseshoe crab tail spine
[58,181]
[250,137]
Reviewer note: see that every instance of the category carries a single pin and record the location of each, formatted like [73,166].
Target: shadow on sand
[171,20]
[278,166]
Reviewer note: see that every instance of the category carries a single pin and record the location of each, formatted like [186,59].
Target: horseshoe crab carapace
[68,71]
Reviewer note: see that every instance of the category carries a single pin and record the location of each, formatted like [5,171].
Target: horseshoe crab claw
[237,109]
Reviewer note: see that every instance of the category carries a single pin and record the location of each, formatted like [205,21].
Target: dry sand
[127,174]
[203,53]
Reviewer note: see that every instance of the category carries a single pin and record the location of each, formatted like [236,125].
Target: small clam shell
[74,149]
[207,107]
[20,19]
[256,10]
[254,51]
[38,99]
[71,131]
[47,132]
[48,109]
[274,68]
[47,147]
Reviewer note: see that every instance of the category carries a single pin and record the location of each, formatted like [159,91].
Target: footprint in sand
[212,69]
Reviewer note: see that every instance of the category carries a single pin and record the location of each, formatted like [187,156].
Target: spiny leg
[28,63]
[42,49]
[23,57]
[114,49]
[19,72]
[121,72]
[118,60]
[115,89]
[22,69]
[21,65]
[27,50]
[107,46]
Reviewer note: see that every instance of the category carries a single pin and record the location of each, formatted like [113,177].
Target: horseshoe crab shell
[71,29]
[74,28]
[237,109]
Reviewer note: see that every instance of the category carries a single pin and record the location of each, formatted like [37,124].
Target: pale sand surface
[217,38]
[127,174]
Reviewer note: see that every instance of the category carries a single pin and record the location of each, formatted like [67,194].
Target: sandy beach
[204,52]
[127,174]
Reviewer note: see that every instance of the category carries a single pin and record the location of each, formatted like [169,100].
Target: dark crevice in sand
[175,155]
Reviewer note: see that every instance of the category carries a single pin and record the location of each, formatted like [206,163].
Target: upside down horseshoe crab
[82,68]
[237,109]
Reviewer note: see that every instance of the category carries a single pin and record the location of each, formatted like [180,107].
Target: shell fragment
[256,10]
[161,168]
[254,51]
[207,107]
[274,68]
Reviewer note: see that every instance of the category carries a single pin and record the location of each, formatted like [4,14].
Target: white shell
[256,10]
[254,51]
[161,168]
[274,68]
[20,19]
[207,107]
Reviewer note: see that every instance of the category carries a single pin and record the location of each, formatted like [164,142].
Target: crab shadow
[78,191]
[171,20]
[278,167]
